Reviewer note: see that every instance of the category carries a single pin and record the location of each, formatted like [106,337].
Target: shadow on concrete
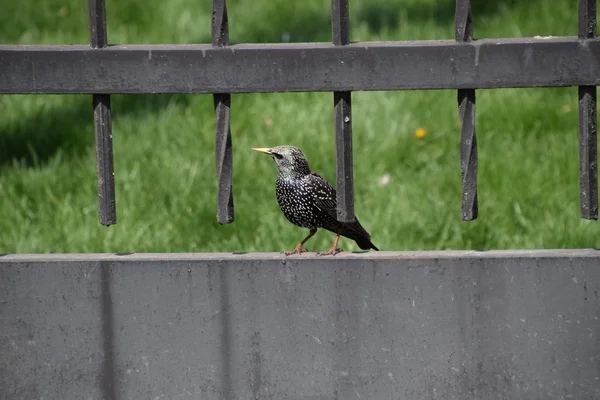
[108,380]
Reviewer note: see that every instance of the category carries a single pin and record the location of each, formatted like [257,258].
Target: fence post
[343,121]
[466,112]
[103,124]
[222,101]
[588,124]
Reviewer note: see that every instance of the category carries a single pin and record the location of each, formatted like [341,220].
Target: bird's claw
[331,252]
[297,250]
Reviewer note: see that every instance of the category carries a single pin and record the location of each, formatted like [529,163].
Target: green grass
[164,145]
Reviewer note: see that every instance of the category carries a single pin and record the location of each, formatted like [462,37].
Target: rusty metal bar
[343,120]
[588,124]
[222,101]
[466,112]
[107,211]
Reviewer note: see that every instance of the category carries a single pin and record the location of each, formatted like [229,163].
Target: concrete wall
[445,325]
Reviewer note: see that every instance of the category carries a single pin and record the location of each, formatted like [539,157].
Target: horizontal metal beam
[245,68]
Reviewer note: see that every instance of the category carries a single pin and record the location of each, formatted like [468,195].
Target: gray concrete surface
[388,325]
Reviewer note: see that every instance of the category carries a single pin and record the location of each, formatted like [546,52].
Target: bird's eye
[277,155]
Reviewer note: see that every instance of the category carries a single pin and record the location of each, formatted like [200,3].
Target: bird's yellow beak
[262,150]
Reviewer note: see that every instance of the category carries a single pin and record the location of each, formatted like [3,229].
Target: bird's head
[290,160]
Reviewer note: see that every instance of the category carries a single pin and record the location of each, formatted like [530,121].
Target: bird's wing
[325,195]
[326,199]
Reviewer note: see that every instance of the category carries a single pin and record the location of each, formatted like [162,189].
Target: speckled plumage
[309,201]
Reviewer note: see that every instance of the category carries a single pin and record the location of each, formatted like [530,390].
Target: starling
[309,201]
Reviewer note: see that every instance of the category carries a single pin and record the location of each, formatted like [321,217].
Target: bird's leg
[334,250]
[299,248]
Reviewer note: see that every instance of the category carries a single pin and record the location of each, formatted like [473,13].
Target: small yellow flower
[565,109]
[420,133]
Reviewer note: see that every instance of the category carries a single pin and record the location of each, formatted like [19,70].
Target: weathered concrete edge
[382,255]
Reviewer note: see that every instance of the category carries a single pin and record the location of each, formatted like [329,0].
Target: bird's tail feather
[365,244]
[356,232]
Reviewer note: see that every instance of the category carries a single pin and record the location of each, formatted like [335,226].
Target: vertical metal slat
[466,112]
[222,101]
[103,124]
[588,124]
[343,121]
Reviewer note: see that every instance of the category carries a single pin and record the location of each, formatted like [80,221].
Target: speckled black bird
[309,201]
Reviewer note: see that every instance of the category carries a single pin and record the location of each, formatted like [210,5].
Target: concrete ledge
[386,325]
[371,255]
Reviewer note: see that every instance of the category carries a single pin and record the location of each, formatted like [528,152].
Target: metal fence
[464,64]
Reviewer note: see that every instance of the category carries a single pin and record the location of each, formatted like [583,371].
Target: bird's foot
[298,250]
[331,252]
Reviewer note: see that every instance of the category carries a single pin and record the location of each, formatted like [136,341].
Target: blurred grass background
[407,188]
